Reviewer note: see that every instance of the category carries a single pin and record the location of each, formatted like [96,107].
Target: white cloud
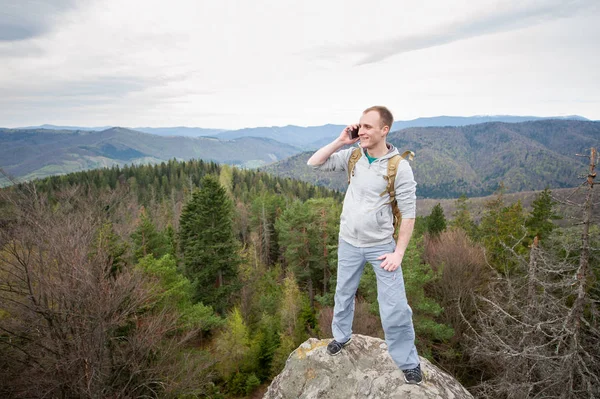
[234,64]
[499,18]
[24,19]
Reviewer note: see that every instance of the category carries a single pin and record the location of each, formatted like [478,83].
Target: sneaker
[412,376]
[335,347]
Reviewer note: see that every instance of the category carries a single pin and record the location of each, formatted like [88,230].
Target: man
[366,235]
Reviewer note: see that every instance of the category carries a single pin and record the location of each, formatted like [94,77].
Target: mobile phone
[354,133]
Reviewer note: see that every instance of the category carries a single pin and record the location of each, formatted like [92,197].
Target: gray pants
[396,315]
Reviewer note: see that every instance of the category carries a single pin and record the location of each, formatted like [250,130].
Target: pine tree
[268,341]
[325,223]
[308,235]
[298,243]
[176,291]
[171,240]
[147,240]
[539,223]
[115,247]
[502,227]
[436,222]
[264,212]
[207,241]
[461,218]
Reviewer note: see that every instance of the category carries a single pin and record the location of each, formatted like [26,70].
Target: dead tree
[70,326]
[576,321]
[537,331]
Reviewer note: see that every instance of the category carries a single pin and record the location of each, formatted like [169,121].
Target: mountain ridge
[470,159]
[28,154]
[475,159]
[317,135]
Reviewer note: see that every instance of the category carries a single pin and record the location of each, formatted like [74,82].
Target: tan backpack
[392,168]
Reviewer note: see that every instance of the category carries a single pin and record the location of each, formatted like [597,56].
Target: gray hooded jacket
[367,219]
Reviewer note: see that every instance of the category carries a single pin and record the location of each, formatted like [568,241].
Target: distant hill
[180,131]
[312,137]
[474,159]
[34,153]
[161,131]
[474,120]
[303,137]
[55,127]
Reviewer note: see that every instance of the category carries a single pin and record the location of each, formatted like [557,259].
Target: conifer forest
[197,280]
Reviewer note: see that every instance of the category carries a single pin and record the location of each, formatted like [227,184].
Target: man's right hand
[319,157]
[345,138]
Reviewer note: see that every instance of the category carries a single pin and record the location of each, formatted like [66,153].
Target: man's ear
[386,129]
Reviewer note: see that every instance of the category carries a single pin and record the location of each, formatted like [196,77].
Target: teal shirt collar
[370,158]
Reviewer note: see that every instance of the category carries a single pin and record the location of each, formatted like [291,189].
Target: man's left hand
[391,261]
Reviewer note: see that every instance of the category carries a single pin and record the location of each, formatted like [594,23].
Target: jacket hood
[391,151]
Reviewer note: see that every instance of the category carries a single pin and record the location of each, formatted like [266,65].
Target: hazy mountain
[180,131]
[474,159]
[55,127]
[161,131]
[314,137]
[473,120]
[36,153]
[450,160]
[298,136]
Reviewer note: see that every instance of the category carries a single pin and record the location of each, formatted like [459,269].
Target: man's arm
[406,200]
[319,157]
[392,261]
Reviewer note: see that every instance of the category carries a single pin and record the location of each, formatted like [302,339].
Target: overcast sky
[242,63]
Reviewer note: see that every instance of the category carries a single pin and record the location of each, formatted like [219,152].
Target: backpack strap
[392,169]
[354,157]
[410,154]
[390,177]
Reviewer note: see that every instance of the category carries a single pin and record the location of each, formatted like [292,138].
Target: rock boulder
[363,370]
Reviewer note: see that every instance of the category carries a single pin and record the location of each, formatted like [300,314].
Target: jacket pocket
[384,217]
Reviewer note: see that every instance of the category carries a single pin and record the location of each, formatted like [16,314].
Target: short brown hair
[385,115]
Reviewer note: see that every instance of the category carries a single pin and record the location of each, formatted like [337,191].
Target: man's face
[371,131]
